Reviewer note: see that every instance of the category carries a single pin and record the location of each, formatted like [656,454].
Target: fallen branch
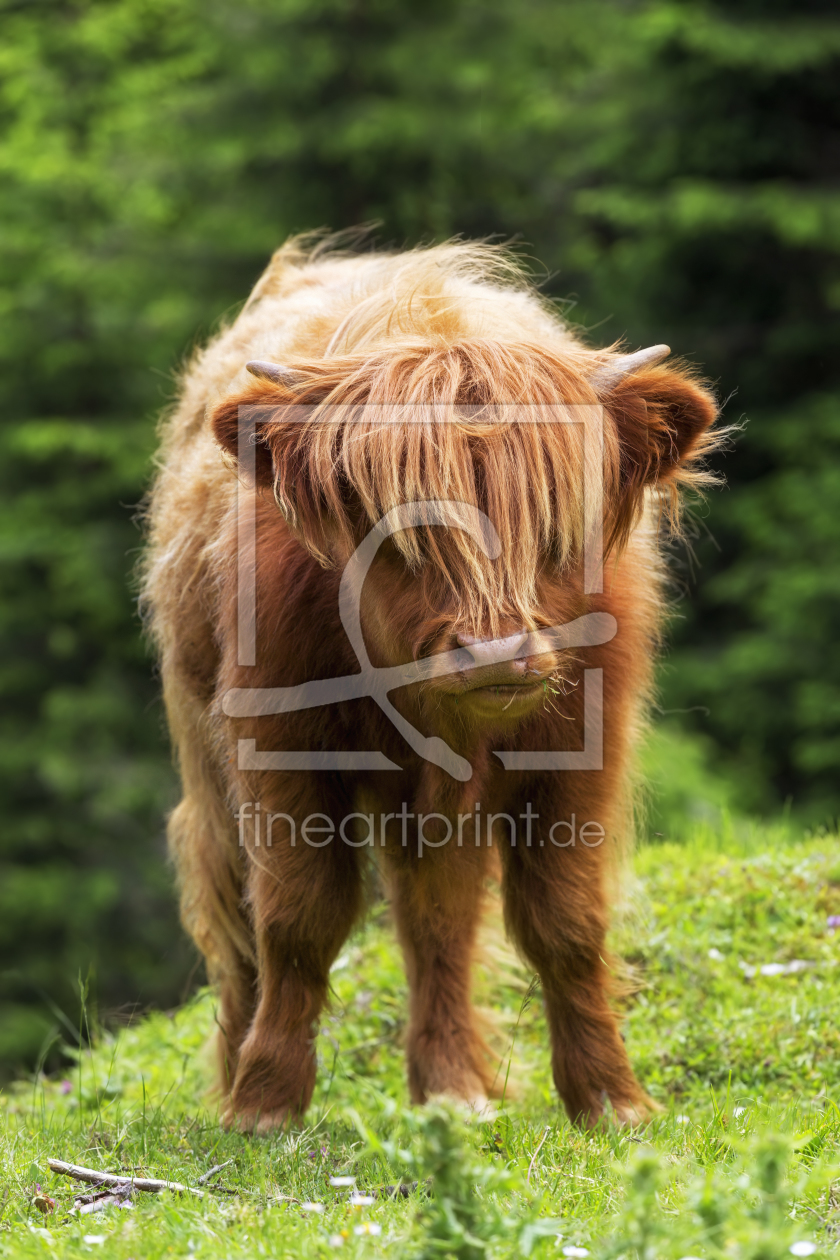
[83,1204]
[95,1178]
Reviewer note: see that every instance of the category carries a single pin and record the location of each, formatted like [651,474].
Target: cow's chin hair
[482,710]
[496,706]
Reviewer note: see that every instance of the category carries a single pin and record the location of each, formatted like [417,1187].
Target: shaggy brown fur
[456,331]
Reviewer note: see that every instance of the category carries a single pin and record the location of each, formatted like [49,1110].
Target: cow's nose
[491,651]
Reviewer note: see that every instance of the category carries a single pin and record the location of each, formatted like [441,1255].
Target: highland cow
[418,426]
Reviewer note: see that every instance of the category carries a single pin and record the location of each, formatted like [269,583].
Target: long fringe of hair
[409,405]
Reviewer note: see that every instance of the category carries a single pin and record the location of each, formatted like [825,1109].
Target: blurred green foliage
[674,167]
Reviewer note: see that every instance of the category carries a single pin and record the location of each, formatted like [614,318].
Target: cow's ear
[243,420]
[662,418]
[662,427]
[293,461]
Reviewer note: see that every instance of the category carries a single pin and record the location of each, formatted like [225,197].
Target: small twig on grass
[211,1172]
[95,1178]
[403,1191]
[829,1226]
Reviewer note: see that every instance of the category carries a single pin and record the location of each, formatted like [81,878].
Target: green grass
[742,1162]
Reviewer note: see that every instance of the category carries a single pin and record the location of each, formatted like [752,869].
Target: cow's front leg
[304,902]
[437,900]
[556,913]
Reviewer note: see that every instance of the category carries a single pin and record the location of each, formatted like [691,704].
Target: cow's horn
[274,372]
[616,369]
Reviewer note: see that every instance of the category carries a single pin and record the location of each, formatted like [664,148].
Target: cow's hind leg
[211,871]
[237,988]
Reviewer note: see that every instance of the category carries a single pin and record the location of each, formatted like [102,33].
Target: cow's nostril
[492,651]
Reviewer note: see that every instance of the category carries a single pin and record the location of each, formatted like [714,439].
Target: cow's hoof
[629,1115]
[265,1121]
[476,1106]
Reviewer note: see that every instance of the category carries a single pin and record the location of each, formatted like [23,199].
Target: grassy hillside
[739,1047]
